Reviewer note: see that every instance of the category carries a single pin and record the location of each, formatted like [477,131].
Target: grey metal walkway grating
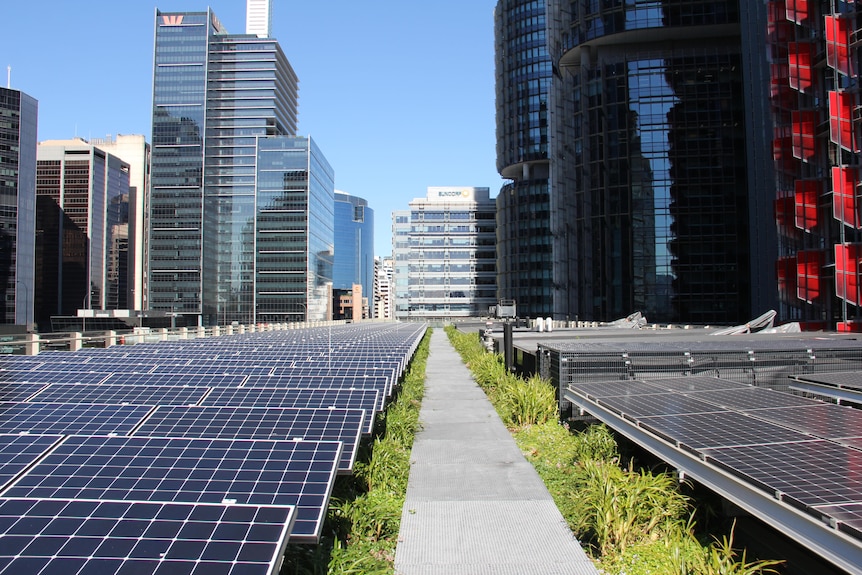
[474,505]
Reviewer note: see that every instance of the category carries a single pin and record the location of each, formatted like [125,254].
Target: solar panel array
[177,457]
[801,451]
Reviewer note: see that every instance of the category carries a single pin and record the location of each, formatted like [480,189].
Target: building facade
[660,186]
[135,151]
[450,257]
[523,79]
[384,295]
[18,123]
[82,222]
[354,245]
[815,59]
[220,104]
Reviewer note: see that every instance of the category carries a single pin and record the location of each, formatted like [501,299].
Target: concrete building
[18,122]
[384,283]
[135,151]
[445,261]
[228,173]
[82,222]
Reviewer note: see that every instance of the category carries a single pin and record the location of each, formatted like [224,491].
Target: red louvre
[845,206]
[784,209]
[797,10]
[838,45]
[804,123]
[847,272]
[806,194]
[808,264]
[786,270]
[840,120]
[800,55]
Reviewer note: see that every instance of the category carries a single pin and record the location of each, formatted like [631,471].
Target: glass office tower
[523,79]
[18,120]
[354,244]
[214,96]
[659,198]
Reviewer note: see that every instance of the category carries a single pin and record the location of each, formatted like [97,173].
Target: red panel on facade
[808,264]
[796,10]
[845,204]
[838,55]
[782,153]
[847,272]
[806,194]
[848,327]
[804,123]
[800,56]
[840,120]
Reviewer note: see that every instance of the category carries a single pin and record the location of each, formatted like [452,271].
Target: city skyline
[399,98]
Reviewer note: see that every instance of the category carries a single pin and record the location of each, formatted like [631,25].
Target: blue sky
[398,94]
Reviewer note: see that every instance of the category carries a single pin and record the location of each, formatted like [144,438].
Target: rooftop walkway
[474,505]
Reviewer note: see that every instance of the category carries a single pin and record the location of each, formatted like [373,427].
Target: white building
[384,294]
[444,252]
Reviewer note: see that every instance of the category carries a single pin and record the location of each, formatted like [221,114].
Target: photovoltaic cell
[53,376]
[657,404]
[697,383]
[174,379]
[344,425]
[19,391]
[122,537]
[753,398]
[846,379]
[615,388]
[73,418]
[256,472]
[824,420]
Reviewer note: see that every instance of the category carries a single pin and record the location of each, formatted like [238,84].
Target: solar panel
[847,379]
[753,398]
[723,428]
[848,517]
[65,419]
[824,420]
[52,376]
[200,379]
[256,472]
[349,398]
[614,388]
[19,391]
[214,370]
[808,472]
[17,452]
[697,383]
[118,537]
[120,394]
[331,424]
[657,404]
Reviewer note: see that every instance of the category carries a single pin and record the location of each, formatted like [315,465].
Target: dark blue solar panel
[53,376]
[297,473]
[173,379]
[19,391]
[17,452]
[121,537]
[59,418]
[119,394]
[332,424]
[350,398]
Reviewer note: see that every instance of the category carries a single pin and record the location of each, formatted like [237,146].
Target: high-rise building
[135,151]
[384,279]
[449,253]
[354,244]
[224,109]
[523,80]
[82,221]
[815,64]
[18,122]
[660,188]
[258,18]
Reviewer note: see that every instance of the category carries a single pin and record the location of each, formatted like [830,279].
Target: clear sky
[398,94]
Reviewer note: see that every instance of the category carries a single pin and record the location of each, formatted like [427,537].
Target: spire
[258,18]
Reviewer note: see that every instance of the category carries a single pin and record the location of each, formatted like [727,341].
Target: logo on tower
[172,20]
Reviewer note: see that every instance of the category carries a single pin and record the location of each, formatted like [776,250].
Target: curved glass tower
[354,244]
[655,162]
[523,77]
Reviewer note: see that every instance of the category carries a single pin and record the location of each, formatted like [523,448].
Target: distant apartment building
[241,209]
[354,249]
[444,252]
[18,122]
[384,282]
[135,151]
[82,217]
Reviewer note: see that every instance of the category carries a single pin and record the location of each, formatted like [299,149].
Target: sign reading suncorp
[447,193]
